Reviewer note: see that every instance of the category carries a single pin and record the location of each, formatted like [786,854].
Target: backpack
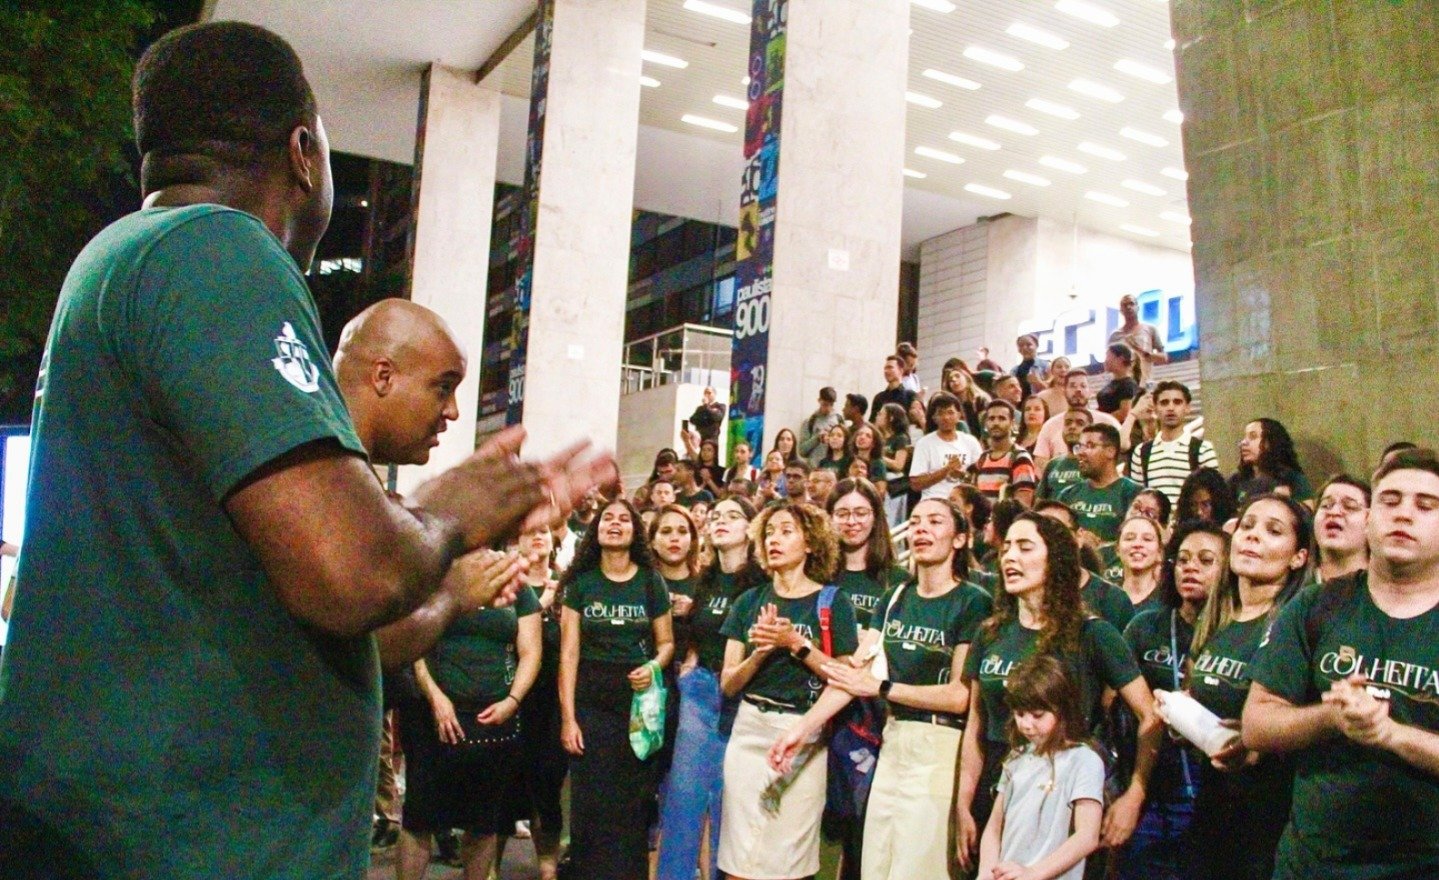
[1147,449]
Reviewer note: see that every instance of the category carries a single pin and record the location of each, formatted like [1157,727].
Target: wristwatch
[884,687]
[803,651]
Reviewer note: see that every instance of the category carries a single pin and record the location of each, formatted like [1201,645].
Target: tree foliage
[65,137]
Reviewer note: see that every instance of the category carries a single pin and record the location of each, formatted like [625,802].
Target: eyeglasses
[848,514]
[727,516]
[1348,505]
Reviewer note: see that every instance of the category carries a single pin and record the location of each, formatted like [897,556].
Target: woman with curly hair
[1268,462]
[780,636]
[1040,611]
[1205,496]
[615,634]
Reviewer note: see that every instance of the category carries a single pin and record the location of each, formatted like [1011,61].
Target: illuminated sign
[1082,333]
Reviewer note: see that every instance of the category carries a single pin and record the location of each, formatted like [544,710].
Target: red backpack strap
[826,610]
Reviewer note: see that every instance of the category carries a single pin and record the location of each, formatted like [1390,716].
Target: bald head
[398,366]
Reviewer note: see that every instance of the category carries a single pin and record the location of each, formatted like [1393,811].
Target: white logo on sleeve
[294,361]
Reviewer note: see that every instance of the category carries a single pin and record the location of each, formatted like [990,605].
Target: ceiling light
[1139,230]
[951,79]
[1008,124]
[1143,71]
[717,11]
[982,143]
[1148,189]
[918,175]
[1102,152]
[649,82]
[731,102]
[980,189]
[661,58]
[744,80]
[941,155]
[1095,90]
[704,122]
[1175,173]
[1035,35]
[923,100]
[936,5]
[993,58]
[1088,12]
[1052,108]
[1143,137]
[1174,116]
[1170,44]
[1106,199]
[1176,217]
[1026,177]
[1063,165]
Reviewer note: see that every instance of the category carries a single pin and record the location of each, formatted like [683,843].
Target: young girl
[1051,793]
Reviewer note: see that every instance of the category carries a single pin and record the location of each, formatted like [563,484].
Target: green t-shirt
[709,617]
[1108,601]
[1220,677]
[1359,813]
[700,495]
[1161,654]
[1104,661]
[1101,511]
[865,591]
[986,580]
[475,659]
[783,679]
[1110,568]
[1058,474]
[155,692]
[921,635]
[617,617]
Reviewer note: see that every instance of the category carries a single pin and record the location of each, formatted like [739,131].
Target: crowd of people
[952,631]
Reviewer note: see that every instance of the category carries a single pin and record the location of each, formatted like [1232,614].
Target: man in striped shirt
[1165,462]
[1005,471]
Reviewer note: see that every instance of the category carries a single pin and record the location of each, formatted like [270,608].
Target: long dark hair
[879,552]
[1168,582]
[895,417]
[1276,452]
[1224,602]
[964,557]
[876,449]
[691,558]
[1221,496]
[1063,607]
[587,554]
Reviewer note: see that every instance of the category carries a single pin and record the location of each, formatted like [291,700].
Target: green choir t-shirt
[1101,511]
[155,692]
[783,679]
[865,591]
[1107,600]
[1104,661]
[1161,655]
[709,617]
[1058,474]
[617,617]
[921,635]
[1220,677]
[1358,813]
[474,661]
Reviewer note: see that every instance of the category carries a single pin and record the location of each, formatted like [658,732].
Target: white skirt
[909,821]
[770,825]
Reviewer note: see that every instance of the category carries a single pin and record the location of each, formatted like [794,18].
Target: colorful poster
[529,214]
[754,250]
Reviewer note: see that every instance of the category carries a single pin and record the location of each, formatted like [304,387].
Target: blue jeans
[1159,848]
[695,783]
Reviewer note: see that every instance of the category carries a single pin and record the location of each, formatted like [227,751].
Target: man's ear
[382,376]
[303,154]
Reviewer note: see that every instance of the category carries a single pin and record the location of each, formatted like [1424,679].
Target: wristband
[884,687]
[803,652]
[512,697]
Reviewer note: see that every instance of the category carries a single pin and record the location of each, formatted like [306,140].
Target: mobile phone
[685,424]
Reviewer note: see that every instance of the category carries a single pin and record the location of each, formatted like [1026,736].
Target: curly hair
[1221,496]
[1168,581]
[692,557]
[823,557]
[1277,456]
[1063,606]
[879,553]
[587,554]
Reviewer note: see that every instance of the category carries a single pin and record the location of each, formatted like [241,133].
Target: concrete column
[454,195]
[1311,137]
[582,237]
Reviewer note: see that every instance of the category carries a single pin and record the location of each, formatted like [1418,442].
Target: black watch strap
[884,687]
[803,652]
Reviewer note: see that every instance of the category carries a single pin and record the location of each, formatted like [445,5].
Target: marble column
[454,195]
[839,203]
[1311,136]
[582,234]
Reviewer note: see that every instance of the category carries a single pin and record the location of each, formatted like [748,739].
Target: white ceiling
[364,58]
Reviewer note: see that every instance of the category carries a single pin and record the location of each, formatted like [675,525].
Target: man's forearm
[920,482]
[411,637]
[1271,724]
[1416,746]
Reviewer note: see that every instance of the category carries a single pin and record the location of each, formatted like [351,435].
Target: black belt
[765,705]
[951,721]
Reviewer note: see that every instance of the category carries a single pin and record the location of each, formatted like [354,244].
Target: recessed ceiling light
[661,58]
[1175,173]
[980,189]
[1148,189]
[1026,177]
[951,79]
[1063,165]
[1143,137]
[1088,12]
[731,102]
[1052,108]
[1106,199]
[649,82]
[705,122]
[923,100]
[982,143]
[717,11]
[941,155]
[1143,71]
[1008,124]
[936,5]
[1170,44]
[993,58]
[918,175]
[1139,230]
[1102,152]
[1095,90]
[1035,35]
[1174,116]
[1176,217]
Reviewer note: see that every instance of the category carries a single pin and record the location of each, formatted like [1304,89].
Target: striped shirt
[1014,469]
[1169,464]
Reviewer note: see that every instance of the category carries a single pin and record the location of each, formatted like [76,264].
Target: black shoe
[447,848]
[385,835]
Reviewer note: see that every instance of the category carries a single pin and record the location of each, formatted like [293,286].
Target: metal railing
[690,353]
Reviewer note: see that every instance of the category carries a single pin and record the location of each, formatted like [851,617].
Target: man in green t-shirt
[1064,470]
[190,676]
[1348,679]
[1101,499]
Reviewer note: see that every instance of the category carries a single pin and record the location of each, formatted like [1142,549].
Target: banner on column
[529,214]
[754,249]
